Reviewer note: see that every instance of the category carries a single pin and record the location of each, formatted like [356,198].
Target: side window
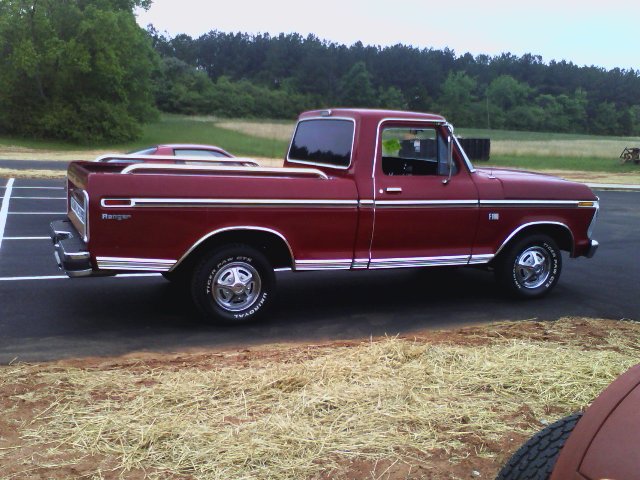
[413,151]
[198,153]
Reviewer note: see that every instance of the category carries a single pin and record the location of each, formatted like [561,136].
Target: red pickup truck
[359,190]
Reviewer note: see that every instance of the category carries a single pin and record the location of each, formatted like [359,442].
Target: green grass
[176,129]
[535,136]
[173,129]
[587,164]
[528,150]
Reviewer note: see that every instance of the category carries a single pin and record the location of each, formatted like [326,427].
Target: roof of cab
[373,114]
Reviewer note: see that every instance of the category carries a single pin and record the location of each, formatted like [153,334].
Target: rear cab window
[323,142]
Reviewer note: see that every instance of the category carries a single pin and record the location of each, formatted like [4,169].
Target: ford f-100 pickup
[359,190]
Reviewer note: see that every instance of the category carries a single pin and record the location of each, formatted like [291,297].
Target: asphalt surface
[34,164]
[50,317]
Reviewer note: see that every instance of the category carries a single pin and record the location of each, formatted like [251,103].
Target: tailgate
[77,197]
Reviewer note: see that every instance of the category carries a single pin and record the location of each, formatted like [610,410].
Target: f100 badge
[109,216]
[494,216]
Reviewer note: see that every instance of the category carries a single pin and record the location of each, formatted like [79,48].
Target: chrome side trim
[522,227]
[366,203]
[340,264]
[228,202]
[380,263]
[360,264]
[520,203]
[229,229]
[480,259]
[279,171]
[141,264]
[426,203]
[320,164]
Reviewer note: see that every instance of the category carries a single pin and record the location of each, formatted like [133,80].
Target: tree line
[504,91]
[83,70]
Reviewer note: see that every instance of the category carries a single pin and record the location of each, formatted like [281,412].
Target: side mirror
[449,158]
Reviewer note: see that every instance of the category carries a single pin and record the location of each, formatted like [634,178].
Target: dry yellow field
[604,148]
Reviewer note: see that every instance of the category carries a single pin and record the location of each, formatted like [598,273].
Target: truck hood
[524,185]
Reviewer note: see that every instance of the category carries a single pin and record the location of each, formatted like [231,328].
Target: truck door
[421,219]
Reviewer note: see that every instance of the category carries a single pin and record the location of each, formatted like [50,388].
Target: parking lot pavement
[44,315]
[27,208]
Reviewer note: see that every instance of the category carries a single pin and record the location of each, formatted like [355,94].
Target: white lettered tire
[530,267]
[233,284]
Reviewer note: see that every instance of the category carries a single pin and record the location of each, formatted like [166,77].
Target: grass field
[269,138]
[170,129]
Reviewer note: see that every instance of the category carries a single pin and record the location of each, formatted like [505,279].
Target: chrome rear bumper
[70,252]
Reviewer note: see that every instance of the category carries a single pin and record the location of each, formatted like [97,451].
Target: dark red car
[184,150]
[601,443]
[179,154]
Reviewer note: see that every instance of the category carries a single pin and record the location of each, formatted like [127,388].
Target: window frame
[321,164]
[439,142]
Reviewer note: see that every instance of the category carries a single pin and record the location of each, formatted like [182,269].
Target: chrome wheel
[236,286]
[533,267]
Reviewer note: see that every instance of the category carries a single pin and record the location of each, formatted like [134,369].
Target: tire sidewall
[202,285]
[509,268]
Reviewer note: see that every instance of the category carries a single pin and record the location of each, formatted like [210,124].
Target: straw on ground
[299,412]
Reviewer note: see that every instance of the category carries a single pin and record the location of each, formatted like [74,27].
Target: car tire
[530,267]
[233,284]
[536,459]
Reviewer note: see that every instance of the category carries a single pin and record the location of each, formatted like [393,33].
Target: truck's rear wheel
[233,284]
[530,267]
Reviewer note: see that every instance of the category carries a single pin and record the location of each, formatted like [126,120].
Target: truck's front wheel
[530,267]
[233,284]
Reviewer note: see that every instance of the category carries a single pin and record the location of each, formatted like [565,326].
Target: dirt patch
[435,404]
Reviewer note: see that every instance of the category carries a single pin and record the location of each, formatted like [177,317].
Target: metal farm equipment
[630,155]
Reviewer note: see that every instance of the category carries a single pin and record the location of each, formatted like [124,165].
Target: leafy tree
[511,91]
[77,70]
[181,88]
[604,119]
[356,88]
[391,98]
[506,92]
[458,97]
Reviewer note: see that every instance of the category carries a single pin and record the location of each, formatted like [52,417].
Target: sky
[601,33]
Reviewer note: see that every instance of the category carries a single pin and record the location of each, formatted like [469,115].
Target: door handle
[393,190]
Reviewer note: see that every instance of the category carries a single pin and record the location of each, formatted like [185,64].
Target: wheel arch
[558,231]
[270,242]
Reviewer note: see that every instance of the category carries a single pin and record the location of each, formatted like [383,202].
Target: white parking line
[41,188]
[4,210]
[40,198]
[27,238]
[61,277]
[37,213]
